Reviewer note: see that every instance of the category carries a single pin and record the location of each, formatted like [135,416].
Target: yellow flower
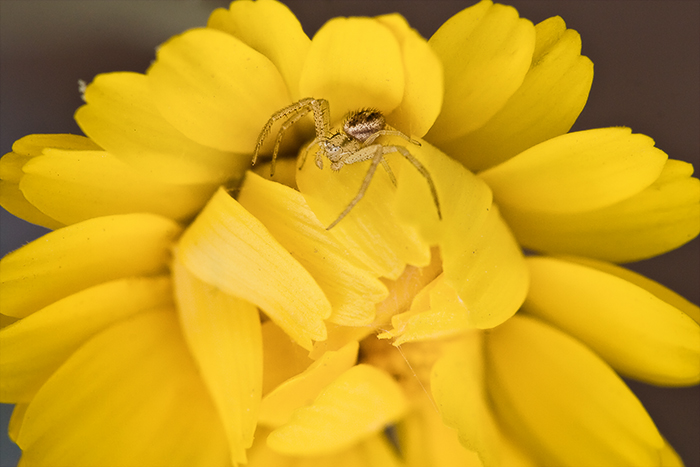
[186,311]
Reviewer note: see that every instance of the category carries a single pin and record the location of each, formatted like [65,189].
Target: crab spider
[354,143]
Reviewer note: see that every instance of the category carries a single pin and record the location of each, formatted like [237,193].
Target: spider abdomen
[362,124]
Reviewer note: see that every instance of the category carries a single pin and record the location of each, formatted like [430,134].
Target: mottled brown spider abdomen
[362,124]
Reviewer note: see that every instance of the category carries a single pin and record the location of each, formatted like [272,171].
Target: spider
[355,143]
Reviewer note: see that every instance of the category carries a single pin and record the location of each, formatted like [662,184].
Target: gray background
[647,75]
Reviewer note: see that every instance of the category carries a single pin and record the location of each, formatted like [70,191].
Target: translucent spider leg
[424,172]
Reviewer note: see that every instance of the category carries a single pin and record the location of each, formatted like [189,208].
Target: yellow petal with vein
[130,396]
[563,401]
[351,288]
[34,347]
[121,115]
[546,105]
[277,406]
[272,29]
[372,230]
[224,336]
[82,255]
[486,52]
[215,89]
[658,219]
[72,186]
[359,403]
[423,88]
[354,63]
[230,249]
[637,333]
[577,172]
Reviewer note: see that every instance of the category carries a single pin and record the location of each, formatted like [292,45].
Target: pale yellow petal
[130,396]
[121,115]
[563,402]
[230,249]
[82,255]
[351,288]
[283,358]
[658,219]
[354,63]
[486,51]
[224,336]
[272,29]
[33,348]
[73,186]
[278,406]
[215,89]
[359,403]
[636,332]
[546,105]
[577,172]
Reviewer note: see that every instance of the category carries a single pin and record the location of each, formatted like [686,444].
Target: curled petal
[577,172]
[230,249]
[486,51]
[636,332]
[354,63]
[140,384]
[73,258]
[215,89]
[563,401]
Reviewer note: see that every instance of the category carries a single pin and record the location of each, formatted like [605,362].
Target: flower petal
[352,289]
[283,358]
[546,105]
[486,51]
[357,404]
[301,390]
[215,89]
[125,388]
[33,348]
[423,88]
[577,172]
[372,229]
[73,186]
[13,200]
[563,401]
[230,249]
[121,115]
[354,63]
[658,219]
[481,260]
[270,28]
[636,332]
[224,336]
[74,258]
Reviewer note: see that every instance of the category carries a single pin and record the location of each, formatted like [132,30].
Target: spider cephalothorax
[354,143]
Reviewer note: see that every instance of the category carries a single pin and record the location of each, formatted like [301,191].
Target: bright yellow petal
[121,115]
[12,200]
[359,403]
[637,333]
[352,289]
[372,230]
[82,255]
[230,249]
[129,396]
[546,105]
[486,51]
[33,348]
[354,63]
[272,29]
[481,260]
[73,186]
[215,89]
[563,401]
[283,357]
[577,172]
[658,219]
[224,336]
[278,406]
[423,88]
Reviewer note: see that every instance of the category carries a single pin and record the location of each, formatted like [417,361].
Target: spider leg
[378,157]
[390,132]
[290,109]
[305,151]
[423,171]
[389,172]
[285,126]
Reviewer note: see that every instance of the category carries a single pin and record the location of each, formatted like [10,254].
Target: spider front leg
[424,172]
